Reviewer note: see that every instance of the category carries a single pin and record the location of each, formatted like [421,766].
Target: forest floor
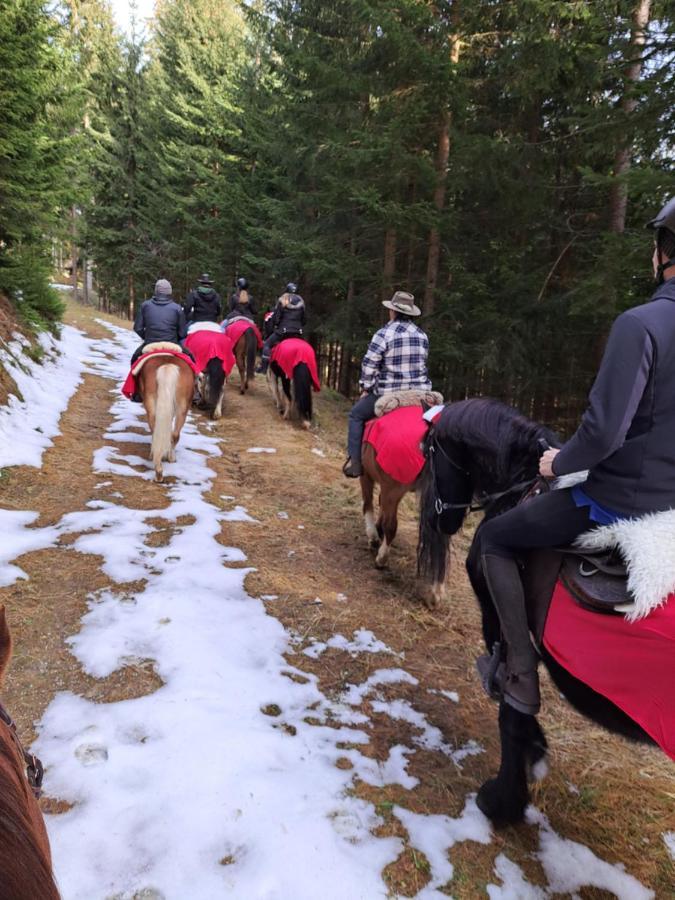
[306,552]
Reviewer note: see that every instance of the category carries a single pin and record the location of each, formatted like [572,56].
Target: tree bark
[74,254]
[618,198]
[132,295]
[389,266]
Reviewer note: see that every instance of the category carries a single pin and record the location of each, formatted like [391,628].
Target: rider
[288,320]
[396,360]
[159,319]
[241,302]
[625,440]
[203,304]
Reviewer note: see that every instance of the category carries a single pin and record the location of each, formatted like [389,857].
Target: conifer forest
[498,158]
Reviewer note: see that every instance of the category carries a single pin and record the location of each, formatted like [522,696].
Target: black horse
[482,451]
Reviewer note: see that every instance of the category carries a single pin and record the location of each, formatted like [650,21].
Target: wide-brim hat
[403,302]
[205,279]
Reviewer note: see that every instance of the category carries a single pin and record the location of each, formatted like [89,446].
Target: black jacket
[160,319]
[203,306]
[627,435]
[249,309]
[289,319]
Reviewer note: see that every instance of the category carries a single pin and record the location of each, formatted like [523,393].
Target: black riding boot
[518,682]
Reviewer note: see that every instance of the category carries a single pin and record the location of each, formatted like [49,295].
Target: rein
[34,768]
[441,506]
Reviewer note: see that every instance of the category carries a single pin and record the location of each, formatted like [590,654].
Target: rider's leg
[550,520]
[362,410]
[268,346]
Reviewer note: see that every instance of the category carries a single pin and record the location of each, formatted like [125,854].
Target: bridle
[527,488]
[34,768]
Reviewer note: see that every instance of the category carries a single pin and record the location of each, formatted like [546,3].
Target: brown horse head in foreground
[167,386]
[25,860]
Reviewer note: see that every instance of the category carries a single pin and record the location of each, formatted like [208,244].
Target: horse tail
[251,351]
[302,391]
[162,440]
[215,379]
[432,544]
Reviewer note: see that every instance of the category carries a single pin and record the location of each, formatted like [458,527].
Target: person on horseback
[396,360]
[288,320]
[203,304]
[625,441]
[241,302]
[159,319]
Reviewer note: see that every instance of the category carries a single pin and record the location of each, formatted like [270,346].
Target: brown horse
[25,859]
[167,385]
[245,353]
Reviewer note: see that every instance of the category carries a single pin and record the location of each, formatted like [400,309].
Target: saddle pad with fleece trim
[207,344]
[291,352]
[203,326]
[129,386]
[236,327]
[630,663]
[396,439]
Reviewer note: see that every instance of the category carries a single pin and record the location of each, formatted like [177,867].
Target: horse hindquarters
[165,410]
[251,348]
[302,393]
[215,387]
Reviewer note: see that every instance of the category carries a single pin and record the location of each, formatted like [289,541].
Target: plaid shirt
[396,359]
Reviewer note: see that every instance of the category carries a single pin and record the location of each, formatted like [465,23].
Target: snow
[28,425]
[450,695]
[18,539]
[364,641]
[669,841]
[514,884]
[261,450]
[317,452]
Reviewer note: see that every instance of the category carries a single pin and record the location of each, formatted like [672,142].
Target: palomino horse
[166,384]
[481,449]
[246,340]
[292,376]
[25,859]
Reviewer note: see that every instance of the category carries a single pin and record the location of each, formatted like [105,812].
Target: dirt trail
[308,549]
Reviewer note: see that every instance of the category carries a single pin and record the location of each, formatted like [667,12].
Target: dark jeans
[361,412]
[275,338]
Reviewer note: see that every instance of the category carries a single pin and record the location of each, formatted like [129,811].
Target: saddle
[396,399]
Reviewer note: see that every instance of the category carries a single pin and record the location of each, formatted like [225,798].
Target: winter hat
[403,302]
[163,288]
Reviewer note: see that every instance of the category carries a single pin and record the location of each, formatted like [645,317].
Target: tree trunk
[618,198]
[132,295]
[85,280]
[74,254]
[389,266]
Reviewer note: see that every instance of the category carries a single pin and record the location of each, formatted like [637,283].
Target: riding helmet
[664,221]
[242,283]
[292,288]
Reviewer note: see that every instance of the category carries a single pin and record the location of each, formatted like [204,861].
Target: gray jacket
[160,319]
[627,435]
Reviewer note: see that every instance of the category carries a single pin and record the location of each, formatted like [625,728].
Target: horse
[291,376]
[25,857]
[166,384]
[482,449]
[212,351]
[246,340]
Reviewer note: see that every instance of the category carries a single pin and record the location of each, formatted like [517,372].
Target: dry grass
[626,794]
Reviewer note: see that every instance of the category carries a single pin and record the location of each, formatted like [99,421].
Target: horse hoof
[306,424]
[500,808]
[430,601]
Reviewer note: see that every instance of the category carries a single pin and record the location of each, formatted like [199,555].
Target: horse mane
[25,860]
[501,437]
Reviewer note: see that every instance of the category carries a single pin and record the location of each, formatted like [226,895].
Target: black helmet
[292,288]
[205,279]
[664,221]
[242,283]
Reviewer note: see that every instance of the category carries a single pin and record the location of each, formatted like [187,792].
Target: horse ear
[5,643]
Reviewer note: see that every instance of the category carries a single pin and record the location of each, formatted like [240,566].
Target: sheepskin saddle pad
[158,348]
[627,567]
[396,399]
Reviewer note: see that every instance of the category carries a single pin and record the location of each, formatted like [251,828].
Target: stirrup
[348,469]
[492,672]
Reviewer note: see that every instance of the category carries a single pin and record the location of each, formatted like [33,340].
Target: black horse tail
[251,351]
[433,544]
[302,391]
[215,379]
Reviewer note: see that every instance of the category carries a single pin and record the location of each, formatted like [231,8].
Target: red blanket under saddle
[396,438]
[632,664]
[289,353]
[238,326]
[206,345]
[129,386]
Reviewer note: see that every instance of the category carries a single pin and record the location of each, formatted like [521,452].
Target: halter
[525,487]
[34,768]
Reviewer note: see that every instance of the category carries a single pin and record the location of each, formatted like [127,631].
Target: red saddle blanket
[630,663]
[396,438]
[238,326]
[129,386]
[292,351]
[206,345]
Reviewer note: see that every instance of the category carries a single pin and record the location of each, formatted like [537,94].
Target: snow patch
[261,450]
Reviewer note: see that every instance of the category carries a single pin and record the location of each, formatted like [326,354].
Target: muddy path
[309,557]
